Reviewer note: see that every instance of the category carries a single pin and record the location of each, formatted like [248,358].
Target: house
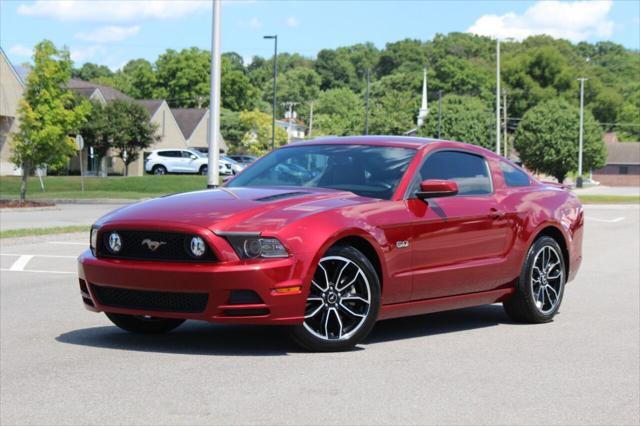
[295,128]
[11,90]
[194,124]
[623,163]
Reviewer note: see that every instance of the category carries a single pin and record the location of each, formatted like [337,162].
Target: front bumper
[216,280]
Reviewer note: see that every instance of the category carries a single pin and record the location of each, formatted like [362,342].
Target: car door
[189,162]
[458,241]
[170,159]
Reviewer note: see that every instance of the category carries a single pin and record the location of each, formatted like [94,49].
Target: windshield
[370,171]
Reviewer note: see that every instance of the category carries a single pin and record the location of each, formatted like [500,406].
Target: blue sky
[113,32]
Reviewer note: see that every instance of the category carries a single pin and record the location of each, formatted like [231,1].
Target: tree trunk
[560,177]
[23,182]
[126,169]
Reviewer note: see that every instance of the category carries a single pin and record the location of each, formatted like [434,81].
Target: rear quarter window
[514,176]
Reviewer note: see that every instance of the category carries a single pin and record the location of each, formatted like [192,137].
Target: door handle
[496,214]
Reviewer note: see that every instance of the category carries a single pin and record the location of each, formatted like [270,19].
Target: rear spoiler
[557,185]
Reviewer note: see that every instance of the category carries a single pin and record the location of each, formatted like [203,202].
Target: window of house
[623,170]
[513,176]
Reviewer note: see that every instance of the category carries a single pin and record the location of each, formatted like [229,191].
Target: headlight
[93,239]
[253,246]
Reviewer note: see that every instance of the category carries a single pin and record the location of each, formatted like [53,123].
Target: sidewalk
[608,190]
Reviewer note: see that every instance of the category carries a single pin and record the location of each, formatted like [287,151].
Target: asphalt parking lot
[60,364]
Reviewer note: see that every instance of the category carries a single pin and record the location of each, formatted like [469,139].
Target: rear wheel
[159,170]
[541,284]
[343,302]
[204,170]
[143,324]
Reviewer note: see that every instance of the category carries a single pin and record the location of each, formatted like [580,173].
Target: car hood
[236,209]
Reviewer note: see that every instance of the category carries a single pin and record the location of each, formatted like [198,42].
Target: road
[60,215]
[60,364]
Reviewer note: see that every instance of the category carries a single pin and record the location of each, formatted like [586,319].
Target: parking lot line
[35,271]
[21,262]
[596,219]
[39,255]
[71,243]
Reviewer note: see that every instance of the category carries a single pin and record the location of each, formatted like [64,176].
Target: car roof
[392,141]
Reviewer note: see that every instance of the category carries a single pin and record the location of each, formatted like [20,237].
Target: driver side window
[469,171]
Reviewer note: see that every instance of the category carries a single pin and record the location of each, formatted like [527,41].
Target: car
[376,228]
[163,161]
[233,164]
[243,159]
[226,167]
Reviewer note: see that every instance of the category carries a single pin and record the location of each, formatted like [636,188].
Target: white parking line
[597,219]
[40,255]
[21,262]
[71,243]
[38,271]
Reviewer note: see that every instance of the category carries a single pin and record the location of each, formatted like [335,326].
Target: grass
[609,199]
[29,232]
[68,187]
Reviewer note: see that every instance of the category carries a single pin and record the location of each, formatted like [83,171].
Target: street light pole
[579,180]
[275,82]
[498,96]
[214,100]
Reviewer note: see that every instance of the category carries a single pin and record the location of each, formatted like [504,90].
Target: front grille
[138,245]
[150,300]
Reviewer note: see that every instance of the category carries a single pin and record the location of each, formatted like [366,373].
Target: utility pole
[366,114]
[579,180]
[439,112]
[504,124]
[310,119]
[498,96]
[214,97]
[275,80]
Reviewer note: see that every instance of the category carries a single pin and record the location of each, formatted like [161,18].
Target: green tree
[130,130]
[236,89]
[90,71]
[257,138]
[464,119]
[121,126]
[183,77]
[547,139]
[49,113]
[137,79]
[338,112]
[300,85]
[629,129]
[335,69]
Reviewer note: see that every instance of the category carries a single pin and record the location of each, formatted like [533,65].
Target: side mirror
[433,188]
[226,179]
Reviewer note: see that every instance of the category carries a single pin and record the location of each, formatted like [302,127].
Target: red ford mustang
[331,235]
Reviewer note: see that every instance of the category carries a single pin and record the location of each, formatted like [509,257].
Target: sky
[114,32]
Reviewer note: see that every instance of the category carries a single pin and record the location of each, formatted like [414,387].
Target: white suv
[162,161]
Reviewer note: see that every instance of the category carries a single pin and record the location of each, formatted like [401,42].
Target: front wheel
[143,324]
[343,302]
[540,287]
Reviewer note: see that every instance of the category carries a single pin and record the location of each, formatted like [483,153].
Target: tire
[338,317]
[144,325]
[540,287]
[204,170]
[159,170]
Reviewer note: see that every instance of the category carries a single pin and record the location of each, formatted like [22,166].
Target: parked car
[375,228]
[227,166]
[235,166]
[244,159]
[163,161]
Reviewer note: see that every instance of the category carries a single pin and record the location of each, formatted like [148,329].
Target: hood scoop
[281,196]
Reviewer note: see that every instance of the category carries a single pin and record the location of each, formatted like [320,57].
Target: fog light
[115,242]
[198,247]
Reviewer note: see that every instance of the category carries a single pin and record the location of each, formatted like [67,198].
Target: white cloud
[83,54]
[292,22]
[111,11]
[576,21]
[108,34]
[20,50]
[255,23]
